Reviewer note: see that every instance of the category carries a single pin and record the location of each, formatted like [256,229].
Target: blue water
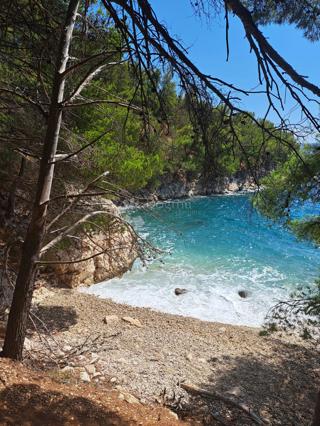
[214,247]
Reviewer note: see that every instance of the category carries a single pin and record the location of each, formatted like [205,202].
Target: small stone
[173,414]
[202,360]
[113,380]
[67,348]
[91,369]
[189,357]
[27,344]
[236,391]
[68,369]
[132,321]
[94,358]
[119,387]
[111,319]
[81,358]
[84,376]
[97,374]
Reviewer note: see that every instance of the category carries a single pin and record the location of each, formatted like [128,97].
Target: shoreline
[145,310]
[152,351]
[142,203]
[84,290]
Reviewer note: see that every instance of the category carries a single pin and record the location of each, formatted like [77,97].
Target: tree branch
[27,99]
[245,16]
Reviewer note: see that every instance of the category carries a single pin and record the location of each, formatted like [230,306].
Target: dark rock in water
[179,291]
[243,293]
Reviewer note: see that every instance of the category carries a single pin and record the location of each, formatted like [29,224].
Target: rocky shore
[182,185]
[147,355]
[108,250]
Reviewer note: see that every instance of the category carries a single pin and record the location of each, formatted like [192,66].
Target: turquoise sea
[214,247]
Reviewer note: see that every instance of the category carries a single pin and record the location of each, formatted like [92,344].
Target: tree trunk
[316,417]
[21,303]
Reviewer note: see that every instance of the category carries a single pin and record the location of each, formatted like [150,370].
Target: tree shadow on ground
[52,319]
[281,386]
[29,404]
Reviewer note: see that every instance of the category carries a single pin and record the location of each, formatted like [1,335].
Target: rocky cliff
[100,249]
[106,252]
[180,185]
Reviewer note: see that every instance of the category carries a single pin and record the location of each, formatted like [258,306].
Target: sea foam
[218,246]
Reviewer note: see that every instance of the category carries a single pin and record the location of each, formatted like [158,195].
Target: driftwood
[195,390]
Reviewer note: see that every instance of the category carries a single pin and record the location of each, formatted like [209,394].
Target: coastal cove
[214,247]
[159,213]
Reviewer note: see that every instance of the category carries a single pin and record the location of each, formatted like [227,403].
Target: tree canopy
[304,14]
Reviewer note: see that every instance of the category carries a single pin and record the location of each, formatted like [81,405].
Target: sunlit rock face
[108,251]
[181,185]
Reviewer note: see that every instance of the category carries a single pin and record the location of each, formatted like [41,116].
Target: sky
[207,48]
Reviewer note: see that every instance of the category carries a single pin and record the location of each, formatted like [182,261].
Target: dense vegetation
[165,132]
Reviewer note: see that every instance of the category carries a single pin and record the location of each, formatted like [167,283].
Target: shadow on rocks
[52,319]
[280,386]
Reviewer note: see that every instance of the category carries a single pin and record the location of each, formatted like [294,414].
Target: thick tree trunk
[17,322]
[316,417]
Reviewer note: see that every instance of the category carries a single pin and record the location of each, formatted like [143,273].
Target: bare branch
[76,199]
[105,55]
[92,73]
[245,16]
[105,101]
[26,98]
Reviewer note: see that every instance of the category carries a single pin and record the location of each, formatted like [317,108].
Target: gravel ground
[150,353]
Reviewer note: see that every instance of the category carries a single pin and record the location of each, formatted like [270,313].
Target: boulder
[179,291]
[116,241]
[243,293]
